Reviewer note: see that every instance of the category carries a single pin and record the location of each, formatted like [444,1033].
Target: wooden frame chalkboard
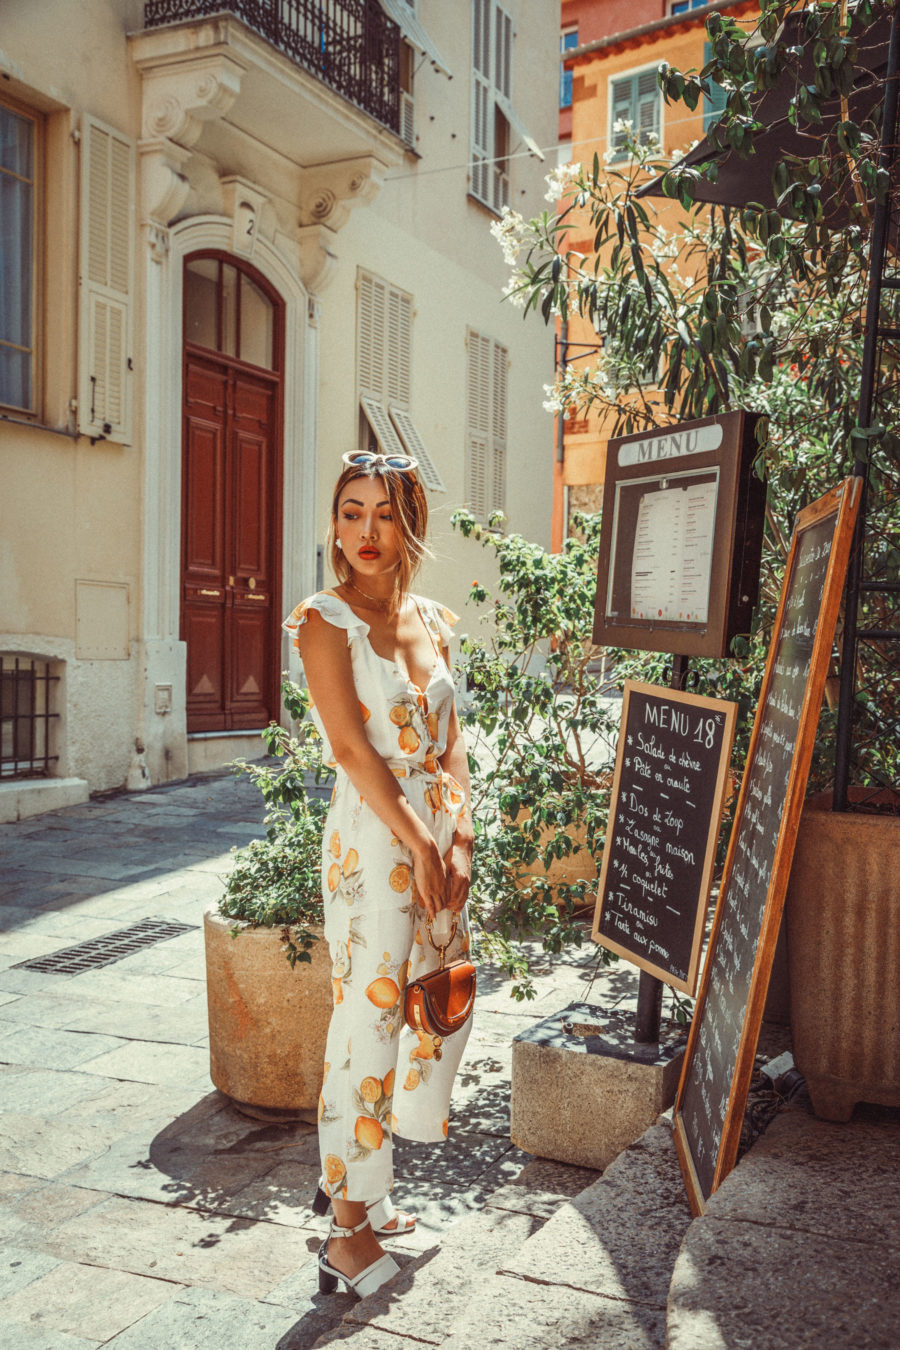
[712,1093]
[667,797]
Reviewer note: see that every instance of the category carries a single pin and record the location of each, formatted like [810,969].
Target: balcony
[352,46]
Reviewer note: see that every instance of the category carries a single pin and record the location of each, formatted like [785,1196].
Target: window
[225,311]
[567,41]
[682,6]
[25,716]
[18,221]
[493,118]
[486,387]
[384,317]
[714,106]
[636,99]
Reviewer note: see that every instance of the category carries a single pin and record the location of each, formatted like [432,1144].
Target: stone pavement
[139,1209]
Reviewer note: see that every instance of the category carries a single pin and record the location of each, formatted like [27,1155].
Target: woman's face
[365,527]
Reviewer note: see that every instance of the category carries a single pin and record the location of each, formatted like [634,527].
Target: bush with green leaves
[276,881]
[705,310]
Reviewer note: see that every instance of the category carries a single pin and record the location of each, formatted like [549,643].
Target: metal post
[868,374]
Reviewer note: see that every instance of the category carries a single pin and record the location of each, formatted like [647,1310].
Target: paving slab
[542,1187]
[87,1301]
[821,1293]
[180,1025]
[19,1266]
[48,1148]
[43,1092]
[202,1319]
[52,1007]
[43,1207]
[141,989]
[150,1062]
[186,1245]
[848,1177]
[35,1046]
[506,1312]
[426,1296]
[15,1336]
[130,1107]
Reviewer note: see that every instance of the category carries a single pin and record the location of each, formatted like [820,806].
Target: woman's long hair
[409,510]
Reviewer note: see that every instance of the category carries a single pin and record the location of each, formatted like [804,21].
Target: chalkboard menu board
[667,796]
[719,1059]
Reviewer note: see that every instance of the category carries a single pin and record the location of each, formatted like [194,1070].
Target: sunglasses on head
[367,459]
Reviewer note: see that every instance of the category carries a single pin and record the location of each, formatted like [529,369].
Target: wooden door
[230,540]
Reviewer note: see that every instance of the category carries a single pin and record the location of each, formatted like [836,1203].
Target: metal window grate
[103,951]
[25,717]
[351,45]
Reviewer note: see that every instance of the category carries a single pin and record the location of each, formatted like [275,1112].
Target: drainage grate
[102,951]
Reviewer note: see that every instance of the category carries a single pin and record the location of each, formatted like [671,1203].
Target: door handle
[215,594]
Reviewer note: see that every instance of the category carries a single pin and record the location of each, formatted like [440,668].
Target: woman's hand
[429,878]
[458,862]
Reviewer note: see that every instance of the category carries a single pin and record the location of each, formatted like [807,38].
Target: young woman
[397,848]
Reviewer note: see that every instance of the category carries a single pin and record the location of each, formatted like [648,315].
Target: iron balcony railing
[351,45]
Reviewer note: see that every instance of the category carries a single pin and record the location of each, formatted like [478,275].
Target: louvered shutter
[398,348]
[482,105]
[389,442]
[648,100]
[415,446]
[500,358]
[622,110]
[714,106]
[502,52]
[371,312]
[478,418]
[106,266]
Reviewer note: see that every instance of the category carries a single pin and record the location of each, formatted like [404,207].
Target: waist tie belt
[442,791]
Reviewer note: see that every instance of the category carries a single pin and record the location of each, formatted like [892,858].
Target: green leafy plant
[276,881]
[539,725]
[700,310]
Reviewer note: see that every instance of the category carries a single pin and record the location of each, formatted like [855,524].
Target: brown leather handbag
[440,1003]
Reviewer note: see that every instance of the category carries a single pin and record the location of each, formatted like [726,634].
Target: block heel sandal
[367,1281]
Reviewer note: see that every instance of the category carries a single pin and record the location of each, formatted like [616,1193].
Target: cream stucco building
[237,239]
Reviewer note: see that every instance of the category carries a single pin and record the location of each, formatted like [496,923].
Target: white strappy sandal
[381,1212]
[367,1281]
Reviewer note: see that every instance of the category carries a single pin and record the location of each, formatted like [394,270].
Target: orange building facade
[613,66]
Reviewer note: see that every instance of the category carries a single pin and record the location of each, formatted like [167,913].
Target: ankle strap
[348,1232]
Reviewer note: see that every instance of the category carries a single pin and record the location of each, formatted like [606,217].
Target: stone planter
[267,1022]
[843,937]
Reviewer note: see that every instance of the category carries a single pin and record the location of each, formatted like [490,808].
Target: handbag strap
[441,950]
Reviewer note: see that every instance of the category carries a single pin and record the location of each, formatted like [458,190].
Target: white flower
[559,181]
[507,231]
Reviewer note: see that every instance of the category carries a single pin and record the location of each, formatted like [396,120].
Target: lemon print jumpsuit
[381,1078]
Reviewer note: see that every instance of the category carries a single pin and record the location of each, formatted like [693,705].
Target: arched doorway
[231,493]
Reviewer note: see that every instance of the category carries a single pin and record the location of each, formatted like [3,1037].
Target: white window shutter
[476,476]
[106,283]
[498,428]
[415,447]
[503,32]
[371,309]
[398,348]
[389,442]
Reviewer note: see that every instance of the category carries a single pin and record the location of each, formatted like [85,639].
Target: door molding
[163,401]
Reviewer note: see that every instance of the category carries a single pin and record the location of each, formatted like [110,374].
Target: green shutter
[714,106]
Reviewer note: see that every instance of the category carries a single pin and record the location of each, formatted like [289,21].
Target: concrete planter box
[843,934]
[267,1022]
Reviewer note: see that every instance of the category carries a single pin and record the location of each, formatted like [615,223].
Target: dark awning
[740,180]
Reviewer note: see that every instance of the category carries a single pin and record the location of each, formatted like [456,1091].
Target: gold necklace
[375,599]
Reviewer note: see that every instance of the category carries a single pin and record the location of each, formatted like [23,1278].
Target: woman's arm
[329,674]
[458,858]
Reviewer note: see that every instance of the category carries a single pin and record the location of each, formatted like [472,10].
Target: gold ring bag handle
[441,950]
